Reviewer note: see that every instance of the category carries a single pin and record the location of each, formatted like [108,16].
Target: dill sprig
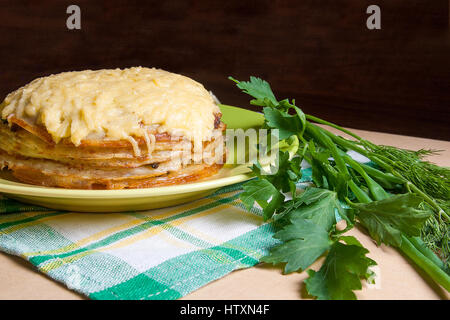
[436,234]
[432,180]
[428,177]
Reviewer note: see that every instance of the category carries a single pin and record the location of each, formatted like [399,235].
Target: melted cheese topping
[115,104]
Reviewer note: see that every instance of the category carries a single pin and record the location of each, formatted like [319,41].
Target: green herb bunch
[402,200]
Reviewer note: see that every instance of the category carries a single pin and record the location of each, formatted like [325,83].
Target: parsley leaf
[319,205]
[263,193]
[259,89]
[341,272]
[303,242]
[387,219]
[287,125]
[288,172]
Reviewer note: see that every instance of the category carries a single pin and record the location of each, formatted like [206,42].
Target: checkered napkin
[157,254]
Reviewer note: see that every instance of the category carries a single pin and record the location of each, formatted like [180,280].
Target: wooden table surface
[397,277]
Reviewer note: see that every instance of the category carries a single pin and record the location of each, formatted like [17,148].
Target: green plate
[135,199]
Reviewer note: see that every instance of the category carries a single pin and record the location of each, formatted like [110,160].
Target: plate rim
[121,193]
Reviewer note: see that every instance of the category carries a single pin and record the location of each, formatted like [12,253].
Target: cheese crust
[117,104]
[111,129]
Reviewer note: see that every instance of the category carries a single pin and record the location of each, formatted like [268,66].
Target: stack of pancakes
[37,156]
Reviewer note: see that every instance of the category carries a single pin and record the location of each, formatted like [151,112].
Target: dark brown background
[319,52]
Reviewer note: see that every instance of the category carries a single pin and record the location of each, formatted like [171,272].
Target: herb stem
[359,194]
[330,124]
[382,163]
[351,145]
[426,264]
[377,192]
[377,174]
[326,142]
[420,245]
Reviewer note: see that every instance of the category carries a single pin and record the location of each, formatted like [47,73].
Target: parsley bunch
[400,199]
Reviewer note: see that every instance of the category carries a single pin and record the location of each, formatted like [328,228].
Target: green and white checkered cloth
[157,254]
